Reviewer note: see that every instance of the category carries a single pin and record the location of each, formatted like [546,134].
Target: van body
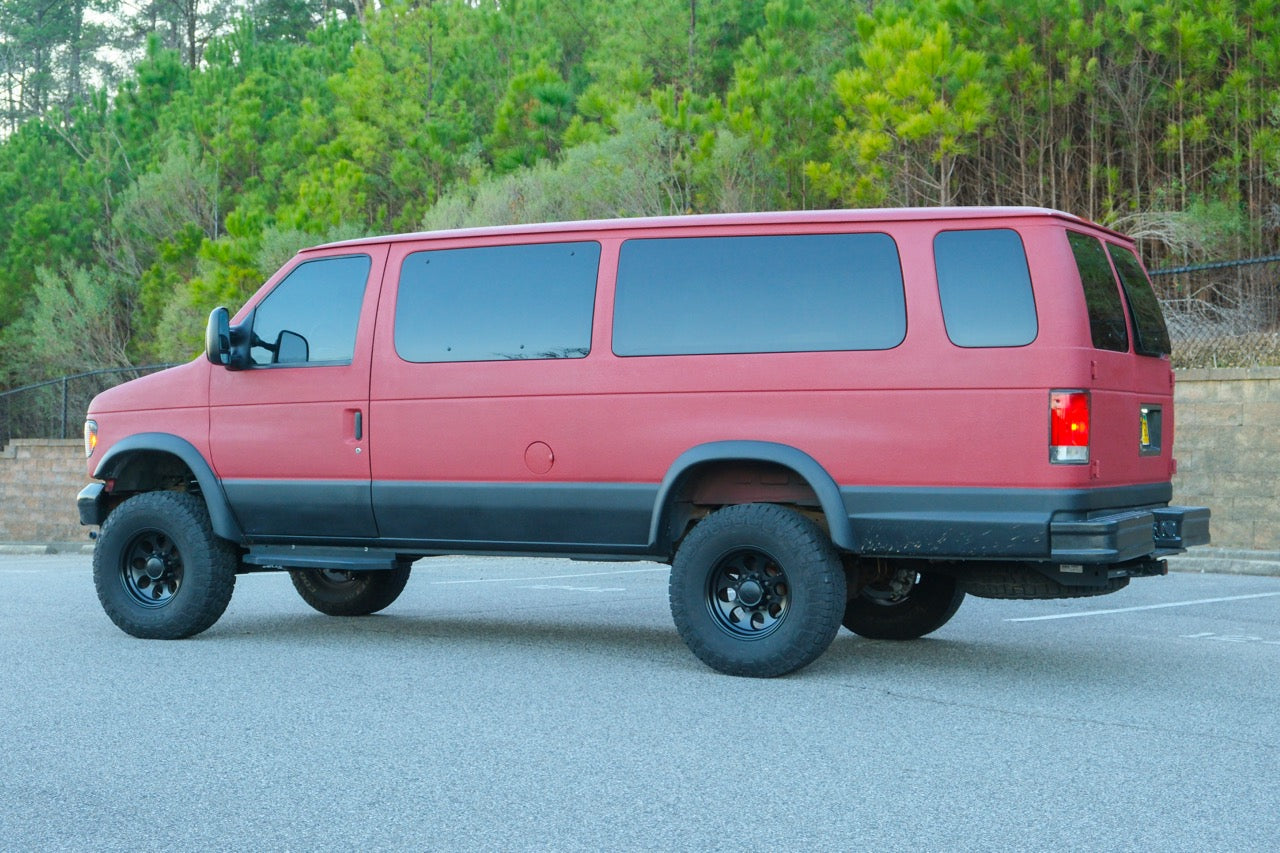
[818,418]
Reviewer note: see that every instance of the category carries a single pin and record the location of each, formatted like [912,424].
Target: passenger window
[985,288]
[311,317]
[1152,336]
[687,296]
[498,302]
[1106,313]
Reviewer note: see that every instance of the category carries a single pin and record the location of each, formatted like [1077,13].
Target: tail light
[1069,427]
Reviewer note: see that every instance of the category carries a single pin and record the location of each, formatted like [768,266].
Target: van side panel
[572,451]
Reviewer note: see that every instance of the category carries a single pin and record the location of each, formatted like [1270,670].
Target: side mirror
[225,345]
[217,337]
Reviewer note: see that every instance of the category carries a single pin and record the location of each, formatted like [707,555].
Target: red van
[817,418]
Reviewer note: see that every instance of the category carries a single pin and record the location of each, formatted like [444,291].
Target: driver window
[311,317]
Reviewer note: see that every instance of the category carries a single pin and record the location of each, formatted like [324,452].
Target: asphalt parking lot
[550,705]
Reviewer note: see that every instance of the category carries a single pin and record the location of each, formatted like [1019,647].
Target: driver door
[289,434]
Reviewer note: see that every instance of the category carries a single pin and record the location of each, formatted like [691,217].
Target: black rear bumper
[1062,526]
[1129,535]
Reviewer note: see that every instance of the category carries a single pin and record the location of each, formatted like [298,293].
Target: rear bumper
[1129,535]
[1056,526]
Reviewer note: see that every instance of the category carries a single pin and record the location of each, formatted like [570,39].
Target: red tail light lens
[1069,427]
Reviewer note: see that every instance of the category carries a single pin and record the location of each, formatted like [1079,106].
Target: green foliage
[314,120]
[913,107]
[79,319]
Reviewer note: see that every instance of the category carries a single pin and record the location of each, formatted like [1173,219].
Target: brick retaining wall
[1227,446]
[39,480]
[1227,443]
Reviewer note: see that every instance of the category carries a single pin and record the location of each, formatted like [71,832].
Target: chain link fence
[55,409]
[1224,314]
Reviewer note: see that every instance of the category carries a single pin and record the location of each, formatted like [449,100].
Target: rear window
[1149,330]
[1106,311]
[497,303]
[985,288]
[793,293]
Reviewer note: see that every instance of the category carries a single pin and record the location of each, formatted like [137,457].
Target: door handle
[359,425]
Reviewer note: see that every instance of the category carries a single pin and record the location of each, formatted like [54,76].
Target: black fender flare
[220,514]
[785,455]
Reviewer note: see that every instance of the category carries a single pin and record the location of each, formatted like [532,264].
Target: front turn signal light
[90,438]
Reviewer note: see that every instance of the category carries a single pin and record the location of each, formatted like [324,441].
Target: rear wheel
[757,590]
[905,606]
[342,593]
[159,569]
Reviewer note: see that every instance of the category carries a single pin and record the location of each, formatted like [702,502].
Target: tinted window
[496,303]
[985,288]
[313,314]
[1148,323]
[758,294]
[1106,313]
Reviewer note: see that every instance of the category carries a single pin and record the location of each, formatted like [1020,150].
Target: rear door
[1132,397]
[289,434]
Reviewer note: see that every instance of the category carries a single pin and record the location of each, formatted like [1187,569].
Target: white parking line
[553,577]
[576,588]
[1144,607]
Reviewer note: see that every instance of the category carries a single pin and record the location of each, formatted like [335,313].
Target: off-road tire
[928,606]
[757,590]
[342,593]
[160,571]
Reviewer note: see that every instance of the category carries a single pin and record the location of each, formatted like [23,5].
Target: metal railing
[55,408]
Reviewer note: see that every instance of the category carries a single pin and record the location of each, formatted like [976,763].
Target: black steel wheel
[757,590]
[747,593]
[337,592]
[905,606]
[152,569]
[159,569]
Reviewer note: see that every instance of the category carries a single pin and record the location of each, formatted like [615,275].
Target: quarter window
[985,288]
[1106,312]
[794,293]
[497,303]
[311,317]
[1152,336]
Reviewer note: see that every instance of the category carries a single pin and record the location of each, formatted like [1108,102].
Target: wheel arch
[141,462]
[706,458]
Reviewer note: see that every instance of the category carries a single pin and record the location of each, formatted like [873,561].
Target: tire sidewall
[365,593]
[814,578]
[927,607]
[208,566]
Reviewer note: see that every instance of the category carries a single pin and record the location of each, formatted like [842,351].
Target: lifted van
[818,418]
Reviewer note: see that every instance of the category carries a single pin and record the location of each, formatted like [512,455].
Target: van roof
[814,217]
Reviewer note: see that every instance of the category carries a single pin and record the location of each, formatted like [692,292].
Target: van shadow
[849,656]
[465,631]
[996,663]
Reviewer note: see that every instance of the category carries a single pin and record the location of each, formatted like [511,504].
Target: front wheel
[342,593]
[160,570]
[757,590]
[906,606]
